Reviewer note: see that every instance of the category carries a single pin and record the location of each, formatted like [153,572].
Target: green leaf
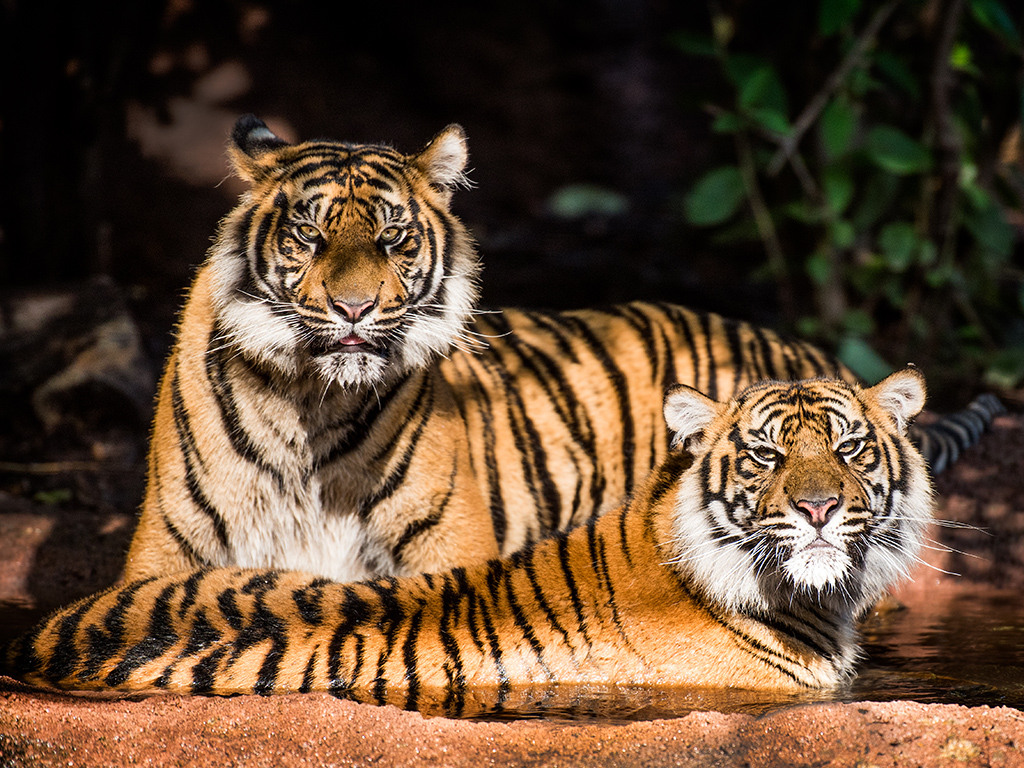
[819,268]
[837,184]
[991,231]
[802,211]
[899,243]
[838,125]
[693,43]
[843,234]
[876,200]
[893,150]
[928,253]
[857,322]
[770,120]
[808,327]
[962,59]
[833,15]
[578,201]
[54,497]
[862,359]
[727,122]
[898,73]
[992,15]
[860,82]
[1006,369]
[715,197]
[761,87]
[940,276]
[894,291]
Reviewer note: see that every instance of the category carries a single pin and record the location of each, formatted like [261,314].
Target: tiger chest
[287,500]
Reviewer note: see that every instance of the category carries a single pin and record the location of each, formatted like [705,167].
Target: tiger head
[806,490]
[343,258]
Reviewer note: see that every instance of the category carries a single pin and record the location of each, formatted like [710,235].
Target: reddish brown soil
[984,489]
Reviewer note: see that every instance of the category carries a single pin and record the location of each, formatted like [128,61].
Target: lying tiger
[743,560]
[308,419]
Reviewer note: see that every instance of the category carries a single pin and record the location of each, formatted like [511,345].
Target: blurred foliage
[877,162]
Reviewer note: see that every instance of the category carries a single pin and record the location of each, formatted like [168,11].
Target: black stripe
[358,430]
[418,416]
[241,441]
[308,601]
[570,582]
[451,598]
[204,673]
[355,612]
[309,674]
[493,643]
[524,626]
[423,524]
[64,659]
[193,461]
[499,518]
[103,643]
[409,660]
[620,384]
[160,635]
[531,574]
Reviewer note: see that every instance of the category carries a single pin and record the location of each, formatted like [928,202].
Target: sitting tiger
[742,561]
[326,408]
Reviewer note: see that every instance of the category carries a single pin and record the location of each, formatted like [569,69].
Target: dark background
[115,117]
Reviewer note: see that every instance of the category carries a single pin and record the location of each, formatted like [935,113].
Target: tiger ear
[251,146]
[901,394]
[688,413]
[443,160]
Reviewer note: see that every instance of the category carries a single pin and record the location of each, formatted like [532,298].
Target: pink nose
[353,311]
[818,511]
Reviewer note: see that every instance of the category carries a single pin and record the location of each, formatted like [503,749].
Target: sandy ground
[46,553]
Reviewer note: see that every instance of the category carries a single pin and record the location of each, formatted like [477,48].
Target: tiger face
[344,258]
[806,489]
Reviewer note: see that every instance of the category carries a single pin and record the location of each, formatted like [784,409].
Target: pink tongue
[352,340]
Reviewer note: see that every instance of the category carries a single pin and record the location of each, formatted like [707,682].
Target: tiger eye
[391,235]
[764,455]
[307,233]
[850,448]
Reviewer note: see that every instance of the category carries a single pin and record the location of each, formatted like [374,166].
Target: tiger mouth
[350,344]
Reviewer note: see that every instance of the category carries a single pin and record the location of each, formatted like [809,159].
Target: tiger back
[742,561]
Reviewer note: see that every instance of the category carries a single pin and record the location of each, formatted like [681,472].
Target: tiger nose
[817,511]
[352,310]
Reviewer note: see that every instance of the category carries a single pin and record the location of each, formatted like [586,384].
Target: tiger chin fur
[325,408]
[742,561]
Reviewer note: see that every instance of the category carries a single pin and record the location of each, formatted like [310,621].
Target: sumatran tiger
[326,407]
[742,561]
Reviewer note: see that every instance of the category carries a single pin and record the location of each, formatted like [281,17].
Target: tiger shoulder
[743,560]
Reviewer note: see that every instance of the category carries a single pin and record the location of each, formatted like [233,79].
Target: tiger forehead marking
[782,415]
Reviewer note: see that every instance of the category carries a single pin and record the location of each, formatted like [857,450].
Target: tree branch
[814,107]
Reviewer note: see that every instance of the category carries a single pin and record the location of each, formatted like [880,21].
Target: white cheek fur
[247,322]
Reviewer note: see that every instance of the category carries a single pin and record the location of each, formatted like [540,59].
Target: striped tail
[942,441]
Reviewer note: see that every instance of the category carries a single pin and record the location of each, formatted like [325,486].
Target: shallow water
[965,648]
